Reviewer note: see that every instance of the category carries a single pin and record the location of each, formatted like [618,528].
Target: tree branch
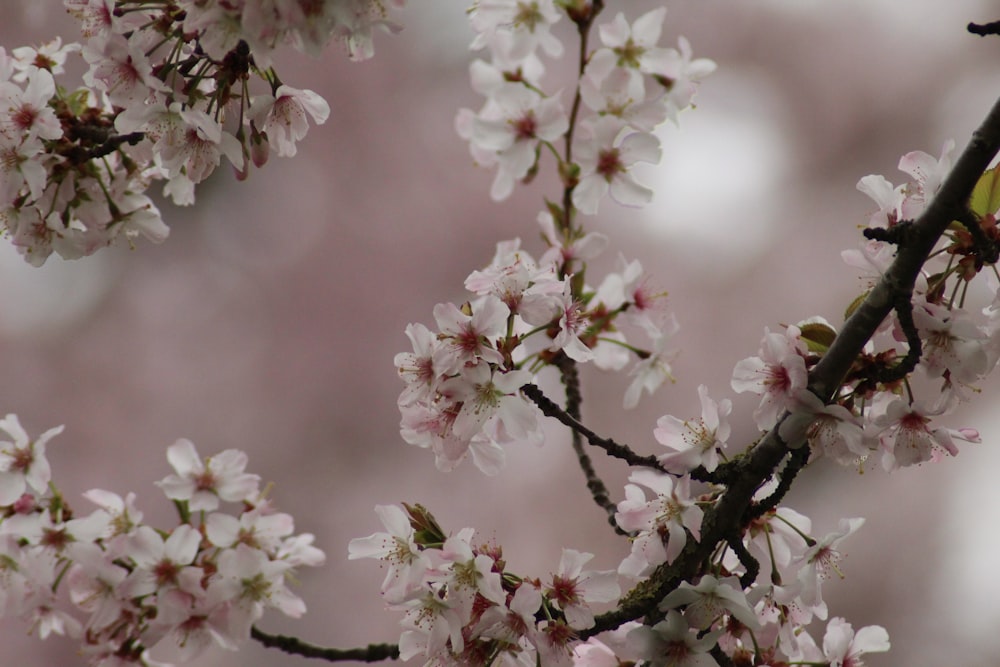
[291,645]
[599,492]
[623,452]
[984,29]
[730,512]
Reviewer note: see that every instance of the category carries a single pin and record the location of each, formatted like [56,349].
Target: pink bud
[260,148]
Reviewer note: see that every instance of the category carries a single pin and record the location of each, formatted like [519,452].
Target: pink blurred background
[269,320]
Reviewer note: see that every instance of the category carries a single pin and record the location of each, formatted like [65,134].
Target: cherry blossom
[778,374]
[511,126]
[634,45]
[663,523]
[820,562]
[407,563]
[605,160]
[529,24]
[417,368]
[203,483]
[831,430]
[953,343]
[680,76]
[572,588]
[23,464]
[906,438]
[843,648]
[671,643]
[282,117]
[653,369]
[490,395]
[889,200]
[928,173]
[695,443]
[710,599]
[621,93]
[468,336]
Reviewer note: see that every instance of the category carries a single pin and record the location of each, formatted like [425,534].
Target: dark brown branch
[795,463]
[623,452]
[730,512]
[984,29]
[598,491]
[291,645]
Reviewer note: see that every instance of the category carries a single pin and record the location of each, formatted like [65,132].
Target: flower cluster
[168,94]
[136,589]
[461,607]
[750,616]
[937,339]
[462,382]
[628,87]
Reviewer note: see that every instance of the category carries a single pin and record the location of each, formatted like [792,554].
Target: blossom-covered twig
[760,463]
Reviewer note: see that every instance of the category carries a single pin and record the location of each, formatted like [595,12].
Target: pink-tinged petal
[12,487]
[588,193]
[184,459]
[222,530]
[871,639]
[627,192]
[616,32]
[646,29]
[641,147]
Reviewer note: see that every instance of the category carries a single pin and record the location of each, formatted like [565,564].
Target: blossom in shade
[777,374]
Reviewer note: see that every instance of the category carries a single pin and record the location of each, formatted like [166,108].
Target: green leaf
[426,531]
[818,337]
[854,304]
[985,198]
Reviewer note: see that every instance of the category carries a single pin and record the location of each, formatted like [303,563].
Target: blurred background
[269,320]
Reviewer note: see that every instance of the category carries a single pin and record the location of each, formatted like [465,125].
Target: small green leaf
[818,337]
[985,198]
[854,304]
[426,531]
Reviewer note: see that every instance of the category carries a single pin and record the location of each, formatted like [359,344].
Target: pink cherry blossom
[822,561]
[671,643]
[517,119]
[572,588]
[635,45]
[491,395]
[906,438]
[650,372]
[283,116]
[928,173]
[707,602]
[23,464]
[777,374]
[605,153]
[529,25]
[694,443]
[843,648]
[407,563]
[469,337]
[670,514]
[203,483]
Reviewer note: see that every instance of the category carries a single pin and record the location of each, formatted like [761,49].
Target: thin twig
[623,452]
[571,381]
[293,646]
